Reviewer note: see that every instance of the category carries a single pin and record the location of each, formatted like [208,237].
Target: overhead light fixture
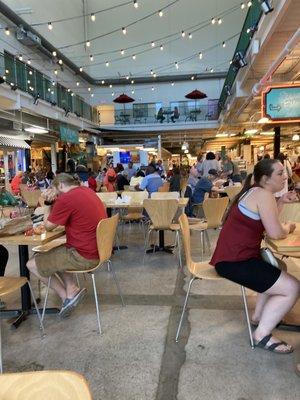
[161,47]
[132,92]
[200,55]
[93,17]
[263,120]
[238,61]
[107,63]
[220,21]
[29,61]
[243,6]
[77,83]
[60,62]
[176,65]
[295,137]
[160,13]
[213,21]
[55,72]
[122,52]
[102,82]
[154,75]
[91,58]
[110,85]
[7,31]
[249,4]
[182,33]
[224,44]
[88,43]
[134,57]
[135,4]
[172,84]
[54,53]
[124,31]
[190,36]
[250,131]
[127,77]
[266,7]
[50,26]
[132,82]
[80,69]
[36,129]
[92,94]
[152,88]
[20,57]
[89,89]
[152,44]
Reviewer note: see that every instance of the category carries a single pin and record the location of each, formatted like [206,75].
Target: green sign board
[68,135]
[282,103]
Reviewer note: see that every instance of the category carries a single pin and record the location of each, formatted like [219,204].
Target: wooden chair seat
[50,385]
[132,216]
[203,270]
[11,284]
[175,227]
[200,226]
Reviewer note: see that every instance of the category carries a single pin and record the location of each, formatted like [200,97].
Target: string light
[113,93]
[89,89]
[93,17]
[88,43]
[30,72]
[91,58]
[127,77]
[135,4]
[7,31]
[110,85]
[176,65]
[192,78]
[160,13]
[132,92]
[213,20]
[223,44]
[200,55]
[72,94]
[60,62]
[77,83]
[50,26]
[152,44]
[132,82]
[220,21]
[29,62]
[107,63]
[69,90]
[211,70]
[134,57]
[183,34]
[124,31]
[249,4]
[172,84]
[20,57]
[242,6]
[151,71]
[102,82]
[161,47]
[122,52]
[80,69]
[55,72]
[54,53]
[190,36]
[154,75]
[152,88]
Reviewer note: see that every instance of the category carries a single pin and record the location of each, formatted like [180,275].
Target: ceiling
[191,16]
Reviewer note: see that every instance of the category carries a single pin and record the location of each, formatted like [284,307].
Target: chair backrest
[214,210]
[186,239]
[107,197]
[161,212]
[165,195]
[136,197]
[106,232]
[31,197]
[290,212]
[165,187]
[58,385]
[232,191]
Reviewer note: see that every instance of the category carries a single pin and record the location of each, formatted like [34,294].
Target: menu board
[281,103]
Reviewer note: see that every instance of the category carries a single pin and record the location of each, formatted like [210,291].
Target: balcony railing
[151,115]
[30,80]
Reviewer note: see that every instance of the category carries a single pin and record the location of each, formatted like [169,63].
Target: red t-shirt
[80,211]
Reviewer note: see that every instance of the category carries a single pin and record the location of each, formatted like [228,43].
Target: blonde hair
[66,179]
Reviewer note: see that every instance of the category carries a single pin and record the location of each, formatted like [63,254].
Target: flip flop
[272,347]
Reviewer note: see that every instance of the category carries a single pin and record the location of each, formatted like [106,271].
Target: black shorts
[254,274]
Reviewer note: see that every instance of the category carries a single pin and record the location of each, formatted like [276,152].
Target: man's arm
[48,225]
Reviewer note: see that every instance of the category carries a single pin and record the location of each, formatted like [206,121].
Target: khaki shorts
[61,259]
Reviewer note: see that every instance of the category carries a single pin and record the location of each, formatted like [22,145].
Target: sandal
[262,344]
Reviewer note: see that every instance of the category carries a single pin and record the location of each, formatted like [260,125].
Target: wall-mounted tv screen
[125,157]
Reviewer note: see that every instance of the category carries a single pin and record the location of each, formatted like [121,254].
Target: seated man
[79,209]
[152,181]
[203,186]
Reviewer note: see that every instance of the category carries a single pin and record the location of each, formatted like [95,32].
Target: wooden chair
[51,385]
[135,213]
[106,232]
[165,187]
[232,191]
[165,195]
[161,214]
[204,271]
[9,285]
[214,210]
[107,197]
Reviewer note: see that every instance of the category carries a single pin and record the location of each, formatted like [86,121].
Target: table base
[16,317]
[155,249]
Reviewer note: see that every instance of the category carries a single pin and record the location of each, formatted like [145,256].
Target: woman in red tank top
[237,254]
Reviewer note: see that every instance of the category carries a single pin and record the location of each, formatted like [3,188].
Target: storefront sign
[68,135]
[281,103]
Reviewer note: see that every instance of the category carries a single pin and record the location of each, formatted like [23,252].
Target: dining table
[288,247]
[23,242]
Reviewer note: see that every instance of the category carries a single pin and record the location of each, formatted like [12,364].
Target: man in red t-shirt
[79,210]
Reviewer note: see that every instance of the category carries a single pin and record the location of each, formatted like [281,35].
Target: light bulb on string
[190,36]
[102,82]
[77,83]
[242,6]
[50,26]
[160,13]
[55,72]
[135,4]
[213,20]
[223,44]
[20,57]
[249,4]
[29,62]
[89,89]
[110,85]
[134,57]
[54,53]
[7,31]
[161,47]
[200,55]
[107,63]
[132,82]
[92,94]
[80,69]
[124,31]
[91,58]
[182,34]
[152,44]
[122,52]
[88,43]
[93,17]
[176,65]
[60,62]
[219,21]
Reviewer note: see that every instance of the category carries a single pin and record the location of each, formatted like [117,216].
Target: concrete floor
[137,358]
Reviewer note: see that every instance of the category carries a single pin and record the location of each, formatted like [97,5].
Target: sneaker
[69,304]
[2,304]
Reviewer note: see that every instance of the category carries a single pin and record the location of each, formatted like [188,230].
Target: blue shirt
[203,186]
[151,182]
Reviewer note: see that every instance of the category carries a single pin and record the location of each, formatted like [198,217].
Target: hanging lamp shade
[196,95]
[123,99]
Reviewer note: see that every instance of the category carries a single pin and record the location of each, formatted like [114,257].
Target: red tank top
[239,239]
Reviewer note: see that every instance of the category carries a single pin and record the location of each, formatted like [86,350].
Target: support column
[276,141]
[53,157]
[6,171]
[159,147]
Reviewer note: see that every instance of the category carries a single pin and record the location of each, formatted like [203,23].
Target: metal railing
[23,77]
[250,25]
[150,115]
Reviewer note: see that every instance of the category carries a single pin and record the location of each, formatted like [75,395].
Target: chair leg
[96,303]
[1,364]
[184,307]
[37,309]
[116,281]
[46,298]
[247,316]
[208,242]
[177,243]
[202,244]
[146,244]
